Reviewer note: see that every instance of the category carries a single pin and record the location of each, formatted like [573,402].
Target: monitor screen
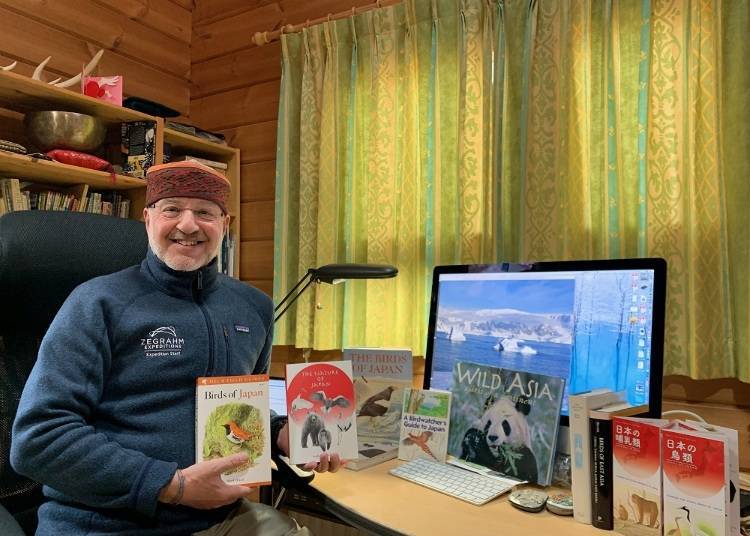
[277,395]
[594,323]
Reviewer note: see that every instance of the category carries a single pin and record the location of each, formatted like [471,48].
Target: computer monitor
[594,323]
[277,395]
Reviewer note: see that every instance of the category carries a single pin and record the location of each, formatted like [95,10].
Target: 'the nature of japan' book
[424,425]
[506,420]
[320,406]
[380,377]
[232,416]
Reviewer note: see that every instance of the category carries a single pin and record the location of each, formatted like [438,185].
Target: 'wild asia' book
[600,422]
[636,475]
[505,420]
[699,491]
[580,405]
[232,416]
[320,407]
[424,425]
[380,377]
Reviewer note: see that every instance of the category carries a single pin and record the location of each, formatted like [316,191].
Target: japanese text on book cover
[320,406]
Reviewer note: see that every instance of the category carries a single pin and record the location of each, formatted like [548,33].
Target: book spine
[601,473]
[580,467]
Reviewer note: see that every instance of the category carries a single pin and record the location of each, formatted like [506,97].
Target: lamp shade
[331,272]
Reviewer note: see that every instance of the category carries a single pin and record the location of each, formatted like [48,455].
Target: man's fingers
[226,463]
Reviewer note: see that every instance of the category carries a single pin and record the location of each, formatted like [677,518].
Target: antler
[9,67]
[38,71]
[86,70]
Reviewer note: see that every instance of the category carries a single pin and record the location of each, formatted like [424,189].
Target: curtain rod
[263,38]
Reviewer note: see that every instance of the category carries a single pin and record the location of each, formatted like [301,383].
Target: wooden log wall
[146,41]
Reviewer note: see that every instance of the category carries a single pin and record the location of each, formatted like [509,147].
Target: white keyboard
[459,483]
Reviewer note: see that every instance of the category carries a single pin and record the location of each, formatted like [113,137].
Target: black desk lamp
[333,273]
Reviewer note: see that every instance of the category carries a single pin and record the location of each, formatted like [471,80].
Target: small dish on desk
[560,504]
[528,499]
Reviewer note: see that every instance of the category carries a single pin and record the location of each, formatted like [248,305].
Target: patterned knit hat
[186,179]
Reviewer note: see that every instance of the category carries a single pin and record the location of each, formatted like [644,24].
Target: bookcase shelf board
[182,142]
[56,173]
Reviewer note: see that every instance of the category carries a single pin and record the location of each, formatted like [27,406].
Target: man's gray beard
[187,268]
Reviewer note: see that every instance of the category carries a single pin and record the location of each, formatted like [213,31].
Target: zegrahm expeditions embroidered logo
[163,342]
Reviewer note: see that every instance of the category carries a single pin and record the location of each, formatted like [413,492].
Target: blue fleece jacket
[108,413]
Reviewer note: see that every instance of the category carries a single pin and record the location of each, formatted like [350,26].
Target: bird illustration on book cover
[321,410]
[424,426]
[506,420]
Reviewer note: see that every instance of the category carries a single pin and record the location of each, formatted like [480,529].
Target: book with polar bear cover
[380,377]
[424,425]
[636,475]
[320,406]
[505,420]
[232,416]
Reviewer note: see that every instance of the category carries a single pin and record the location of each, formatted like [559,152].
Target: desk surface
[404,507]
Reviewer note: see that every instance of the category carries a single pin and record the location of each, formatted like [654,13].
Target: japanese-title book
[320,407]
[580,444]
[600,422]
[505,420]
[380,377]
[700,470]
[232,416]
[424,425]
[636,475]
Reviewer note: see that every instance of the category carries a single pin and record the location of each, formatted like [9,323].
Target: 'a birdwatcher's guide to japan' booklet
[232,416]
[320,406]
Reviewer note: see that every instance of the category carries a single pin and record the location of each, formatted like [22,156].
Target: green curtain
[464,131]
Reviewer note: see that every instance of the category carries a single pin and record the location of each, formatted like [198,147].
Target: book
[222,166]
[505,420]
[700,472]
[636,475]
[600,422]
[580,444]
[320,407]
[380,377]
[232,416]
[424,425]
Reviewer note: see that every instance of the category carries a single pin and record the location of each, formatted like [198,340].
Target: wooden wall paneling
[212,10]
[727,391]
[256,260]
[299,11]
[257,142]
[223,37]
[33,41]
[108,29]
[161,15]
[257,220]
[266,285]
[258,181]
[251,104]
[238,70]
[185,4]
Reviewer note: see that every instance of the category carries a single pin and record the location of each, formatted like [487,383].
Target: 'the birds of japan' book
[380,377]
[320,406]
[424,425]
[232,416]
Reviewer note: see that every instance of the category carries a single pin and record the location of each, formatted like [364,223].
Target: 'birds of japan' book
[320,406]
[232,416]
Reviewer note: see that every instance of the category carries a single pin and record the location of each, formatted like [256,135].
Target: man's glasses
[174,212]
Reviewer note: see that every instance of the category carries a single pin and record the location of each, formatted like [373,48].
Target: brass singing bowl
[65,130]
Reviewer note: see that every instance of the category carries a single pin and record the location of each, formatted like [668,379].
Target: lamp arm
[310,280]
[291,292]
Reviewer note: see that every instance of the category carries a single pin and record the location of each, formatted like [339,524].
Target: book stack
[381,375]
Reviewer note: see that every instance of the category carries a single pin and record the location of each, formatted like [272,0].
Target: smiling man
[106,419]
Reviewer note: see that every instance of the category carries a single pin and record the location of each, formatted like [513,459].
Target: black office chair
[43,257]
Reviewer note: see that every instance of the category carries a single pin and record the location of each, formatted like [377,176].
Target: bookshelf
[20,94]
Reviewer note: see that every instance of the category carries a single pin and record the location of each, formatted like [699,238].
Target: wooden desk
[394,506]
